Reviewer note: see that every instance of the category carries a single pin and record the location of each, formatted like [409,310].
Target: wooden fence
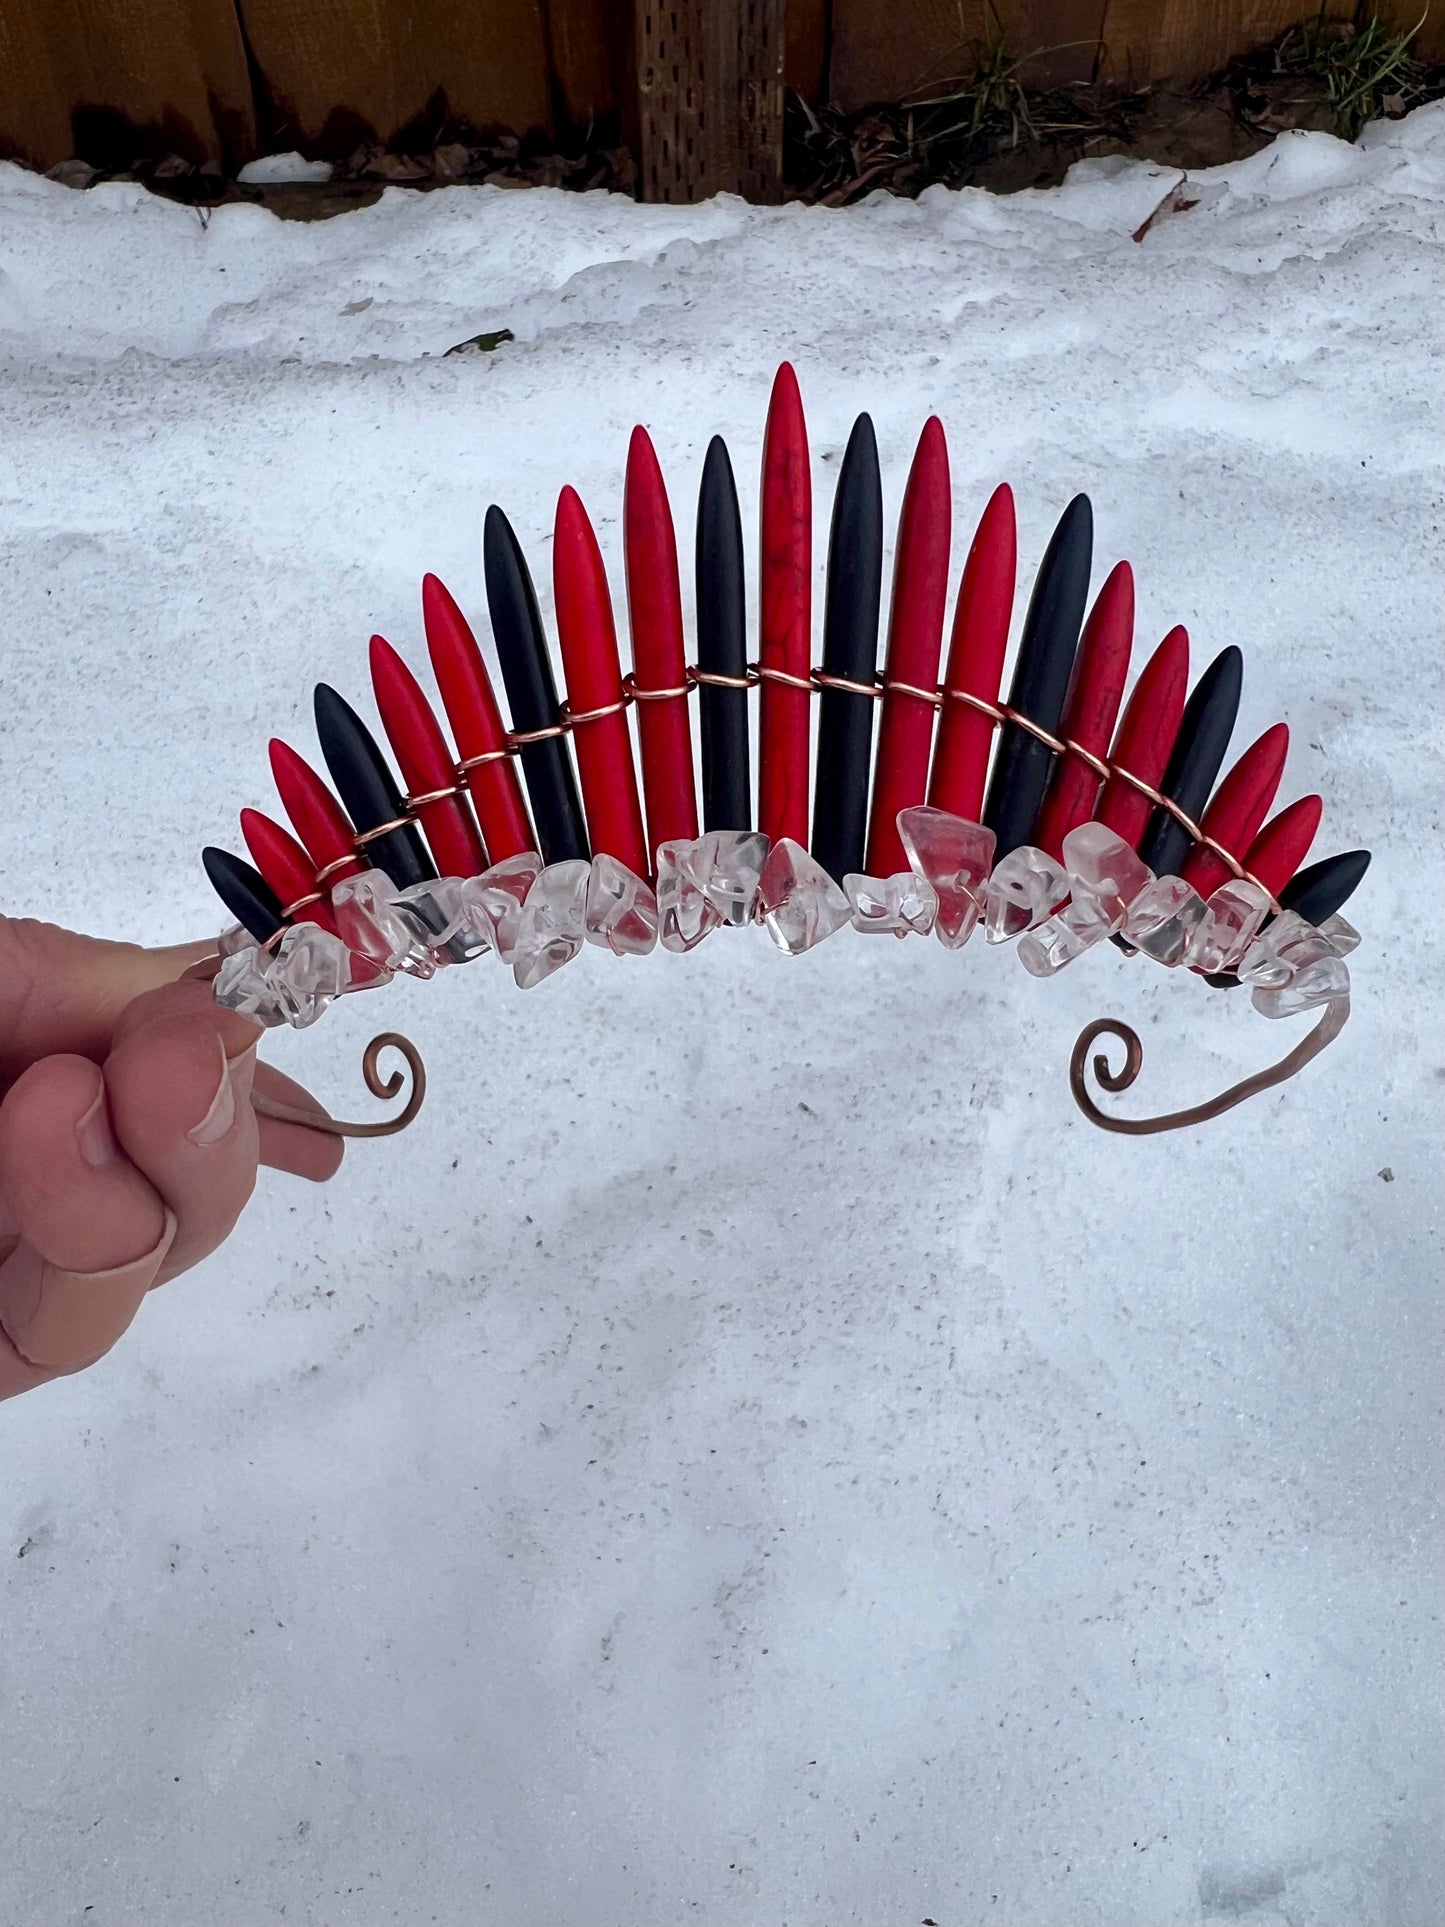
[695,85]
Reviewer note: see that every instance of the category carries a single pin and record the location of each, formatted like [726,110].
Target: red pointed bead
[1237,809]
[654,607]
[785,623]
[471,706]
[426,764]
[316,816]
[1146,736]
[588,637]
[975,661]
[915,642]
[1284,843]
[287,869]
[1096,690]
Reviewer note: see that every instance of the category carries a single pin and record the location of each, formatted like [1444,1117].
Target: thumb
[63,992]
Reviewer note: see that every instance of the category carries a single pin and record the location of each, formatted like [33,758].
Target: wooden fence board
[336,71]
[113,77]
[889,50]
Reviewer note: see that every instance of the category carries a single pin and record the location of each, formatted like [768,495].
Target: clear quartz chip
[1101,863]
[1162,920]
[800,902]
[1233,916]
[1340,934]
[495,899]
[372,924]
[242,984]
[620,910]
[684,913]
[728,866]
[955,856]
[1319,982]
[1023,889]
[895,906]
[235,937]
[310,970]
[554,922]
[1281,950]
[444,917]
[1066,935]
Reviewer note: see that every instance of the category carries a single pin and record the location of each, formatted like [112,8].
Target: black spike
[1194,762]
[245,893]
[1041,677]
[532,693]
[369,792]
[850,649]
[1317,892]
[722,646]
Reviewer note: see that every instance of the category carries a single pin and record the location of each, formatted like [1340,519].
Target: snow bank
[751,1453]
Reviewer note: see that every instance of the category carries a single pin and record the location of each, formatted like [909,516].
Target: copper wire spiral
[1331,1023]
[379,1087]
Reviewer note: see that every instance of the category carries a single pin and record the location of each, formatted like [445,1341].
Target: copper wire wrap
[432,796]
[1331,1023]
[337,864]
[824,679]
[519,738]
[575,718]
[483,757]
[380,1087]
[363,837]
[715,679]
[634,694]
[301,903]
[764,672]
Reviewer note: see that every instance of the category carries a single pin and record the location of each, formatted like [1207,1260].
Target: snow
[274,170]
[752,1453]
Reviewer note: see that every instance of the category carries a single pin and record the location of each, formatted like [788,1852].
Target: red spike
[785,626]
[476,721]
[654,606]
[1237,809]
[975,660]
[287,868]
[316,816]
[1146,737]
[426,763]
[588,638]
[1284,843]
[915,641]
[1096,690]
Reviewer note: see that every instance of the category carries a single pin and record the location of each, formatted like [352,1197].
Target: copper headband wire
[1324,1033]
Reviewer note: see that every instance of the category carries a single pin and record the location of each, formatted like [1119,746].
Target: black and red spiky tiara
[1051,818]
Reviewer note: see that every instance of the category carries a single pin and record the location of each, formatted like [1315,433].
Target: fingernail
[63,1320]
[243,1074]
[94,1135]
[222,1114]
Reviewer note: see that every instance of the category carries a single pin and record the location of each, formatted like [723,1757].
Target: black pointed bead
[1317,892]
[245,893]
[1195,761]
[722,647]
[532,693]
[368,790]
[850,649]
[1041,677]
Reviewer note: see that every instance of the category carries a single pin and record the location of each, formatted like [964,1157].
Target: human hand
[128,1143]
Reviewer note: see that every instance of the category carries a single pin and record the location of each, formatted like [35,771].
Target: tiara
[1058,820]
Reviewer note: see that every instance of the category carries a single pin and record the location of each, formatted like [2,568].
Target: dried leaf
[73,173]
